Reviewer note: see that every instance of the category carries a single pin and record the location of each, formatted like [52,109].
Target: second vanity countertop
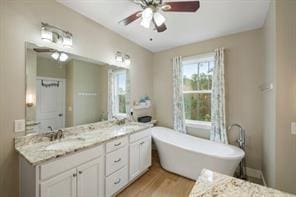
[37,148]
[212,183]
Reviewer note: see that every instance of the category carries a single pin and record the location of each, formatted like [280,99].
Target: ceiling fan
[150,13]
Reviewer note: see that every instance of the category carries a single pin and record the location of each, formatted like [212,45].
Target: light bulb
[46,35]
[63,57]
[118,57]
[147,15]
[55,55]
[127,60]
[158,18]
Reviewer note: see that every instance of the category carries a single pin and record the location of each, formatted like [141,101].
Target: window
[120,92]
[197,88]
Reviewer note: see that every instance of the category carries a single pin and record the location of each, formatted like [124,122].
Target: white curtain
[178,99]
[218,127]
[111,95]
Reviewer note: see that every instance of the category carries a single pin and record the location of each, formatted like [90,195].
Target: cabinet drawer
[116,160]
[116,144]
[116,181]
[65,163]
[140,135]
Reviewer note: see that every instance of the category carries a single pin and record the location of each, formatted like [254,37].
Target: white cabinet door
[145,149]
[135,160]
[61,185]
[91,179]
[140,156]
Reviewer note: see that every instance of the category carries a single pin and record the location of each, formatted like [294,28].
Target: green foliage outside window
[122,107]
[197,86]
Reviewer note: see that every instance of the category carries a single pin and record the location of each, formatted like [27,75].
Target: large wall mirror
[65,90]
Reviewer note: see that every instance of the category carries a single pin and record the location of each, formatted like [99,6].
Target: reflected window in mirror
[120,92]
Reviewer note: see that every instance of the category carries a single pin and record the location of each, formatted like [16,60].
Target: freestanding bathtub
[187,155]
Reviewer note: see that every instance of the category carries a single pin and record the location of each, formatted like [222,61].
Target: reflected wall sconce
[29,100]
[50,33]
[123,58]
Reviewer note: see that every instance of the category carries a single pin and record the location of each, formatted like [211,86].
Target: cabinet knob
[74,175]
[80,172]
[118,160]
[142,143]
[117,182]
[118,144]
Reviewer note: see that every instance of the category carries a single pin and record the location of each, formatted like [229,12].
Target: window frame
[197,60]
[116,94]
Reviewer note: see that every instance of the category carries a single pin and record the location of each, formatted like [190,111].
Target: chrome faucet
[241,142]
[59,134]
[119,121]
[242,135]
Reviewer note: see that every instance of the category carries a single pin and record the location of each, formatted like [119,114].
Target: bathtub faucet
[242,135]
[241,142]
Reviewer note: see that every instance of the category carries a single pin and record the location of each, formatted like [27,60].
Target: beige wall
[279,145]
[269,99]
[86,79]
[50,68]
[20,22]
[243,74]
[31,69]
[286,95]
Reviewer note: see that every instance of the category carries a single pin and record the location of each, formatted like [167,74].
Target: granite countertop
[37,148]
[211,184]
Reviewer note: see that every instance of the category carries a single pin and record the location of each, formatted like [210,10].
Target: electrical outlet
[293,128]
[19,125]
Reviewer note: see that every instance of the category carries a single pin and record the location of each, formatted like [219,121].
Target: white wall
[20,22]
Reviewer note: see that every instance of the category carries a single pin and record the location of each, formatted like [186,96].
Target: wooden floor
[158,183]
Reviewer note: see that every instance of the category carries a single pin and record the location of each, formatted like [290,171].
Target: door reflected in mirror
[71,90]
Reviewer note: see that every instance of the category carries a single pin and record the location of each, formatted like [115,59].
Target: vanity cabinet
[103,170]
[140,154]
[77,175]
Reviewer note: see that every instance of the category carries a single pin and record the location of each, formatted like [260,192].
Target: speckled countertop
[211,184]
[37,148]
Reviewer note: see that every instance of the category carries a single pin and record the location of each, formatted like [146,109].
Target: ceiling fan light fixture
[158,18]
[63,57]
[147,15]
[55,55]
[146,23]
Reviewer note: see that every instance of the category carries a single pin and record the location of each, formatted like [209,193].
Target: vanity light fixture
[125,59]
[46,34]
[29,100]
[118,57]
[56,35]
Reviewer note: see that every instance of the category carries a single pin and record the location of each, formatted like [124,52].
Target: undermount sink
[62,145]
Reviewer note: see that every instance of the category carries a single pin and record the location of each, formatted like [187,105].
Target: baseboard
[256,174]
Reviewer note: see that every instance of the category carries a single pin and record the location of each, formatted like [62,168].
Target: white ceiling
[215,18]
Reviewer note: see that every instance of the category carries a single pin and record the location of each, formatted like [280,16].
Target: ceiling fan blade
[43,50]
[181,6]
[160,28]
[131,18]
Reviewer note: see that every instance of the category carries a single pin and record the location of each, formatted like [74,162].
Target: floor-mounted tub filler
[187,155]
